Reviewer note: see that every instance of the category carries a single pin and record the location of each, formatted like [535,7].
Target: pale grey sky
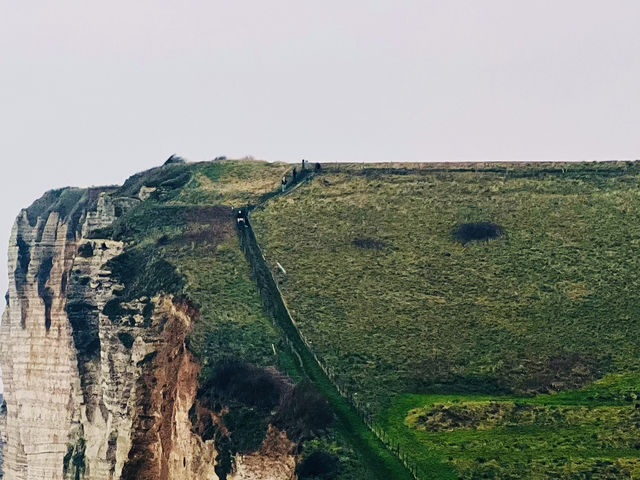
[91,92]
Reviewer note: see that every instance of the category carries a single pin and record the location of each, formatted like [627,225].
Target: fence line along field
[485,314]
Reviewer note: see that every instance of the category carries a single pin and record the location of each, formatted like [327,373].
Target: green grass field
[573,435]
[188,224]
[401,311]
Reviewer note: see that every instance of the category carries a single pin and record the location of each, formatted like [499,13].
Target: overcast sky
[91,92]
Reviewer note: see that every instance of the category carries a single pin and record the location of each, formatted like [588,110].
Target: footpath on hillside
[382,462]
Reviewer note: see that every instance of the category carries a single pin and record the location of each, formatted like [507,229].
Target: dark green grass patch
[318,465]
[518,437]
[144,273]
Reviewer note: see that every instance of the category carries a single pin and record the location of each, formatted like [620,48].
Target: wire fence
[270,288]
[365,414]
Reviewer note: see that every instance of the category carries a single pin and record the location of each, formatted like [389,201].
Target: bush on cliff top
[304,413]
[233,379]
[318,465]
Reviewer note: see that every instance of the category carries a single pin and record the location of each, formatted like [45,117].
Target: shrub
[176,182]
[304,413]
[154,178]
[174,159]
[245,383]
[319,465]
[143,275]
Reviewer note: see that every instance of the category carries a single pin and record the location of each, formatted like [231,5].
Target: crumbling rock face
[94,397]
[37,354]
[164,443]
[275,461]
[72,374]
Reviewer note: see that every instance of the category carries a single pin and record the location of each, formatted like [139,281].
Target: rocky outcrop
[37,354]
[274,461]
[164,443]
[99,393]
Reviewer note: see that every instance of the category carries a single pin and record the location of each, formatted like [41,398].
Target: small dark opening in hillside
[147,311]
[24,254]
[319,465]
[86,250]
[477,232]
[148,359]
[126,339]
[47,297]
[367,243]
[163,241]
[24,258]
[113,310]
[44,272]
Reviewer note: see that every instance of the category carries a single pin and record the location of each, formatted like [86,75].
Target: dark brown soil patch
[565,371]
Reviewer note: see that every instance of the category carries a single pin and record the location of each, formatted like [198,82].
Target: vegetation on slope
[390,298]
[182,240]
[568,435]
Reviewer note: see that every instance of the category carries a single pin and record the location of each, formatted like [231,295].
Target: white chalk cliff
[89,397]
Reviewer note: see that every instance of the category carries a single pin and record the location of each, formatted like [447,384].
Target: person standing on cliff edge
[242,218]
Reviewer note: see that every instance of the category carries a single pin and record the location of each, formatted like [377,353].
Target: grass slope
[349,424]
[572,435]
[394,304]
[188,224]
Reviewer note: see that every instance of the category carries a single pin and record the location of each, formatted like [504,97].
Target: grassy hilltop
[183,240]
[483,317]
[514,357]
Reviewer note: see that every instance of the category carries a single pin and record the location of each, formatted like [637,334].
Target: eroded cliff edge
[101,385]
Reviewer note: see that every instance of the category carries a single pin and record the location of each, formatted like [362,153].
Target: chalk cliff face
[94,395]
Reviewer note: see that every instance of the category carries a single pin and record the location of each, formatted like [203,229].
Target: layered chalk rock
[94,395]
[37,353]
